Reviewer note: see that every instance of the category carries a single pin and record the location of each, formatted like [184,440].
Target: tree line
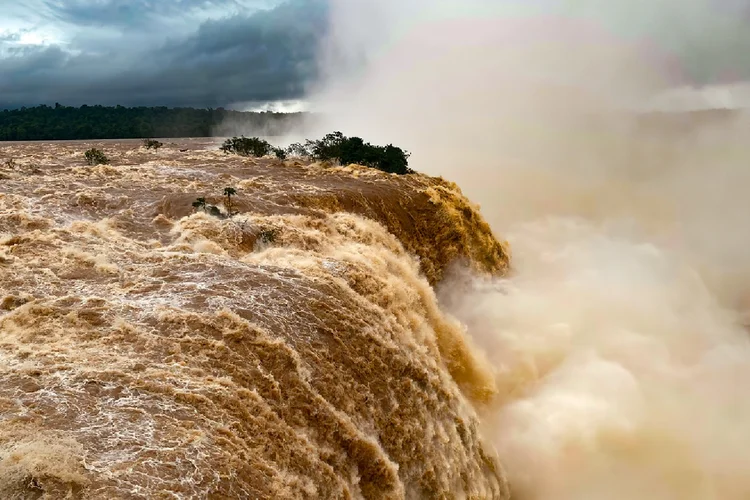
[50,123]
[333,147]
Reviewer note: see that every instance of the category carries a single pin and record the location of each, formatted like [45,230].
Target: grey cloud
[214,53]
[9,37]
[124,13]
[265,56]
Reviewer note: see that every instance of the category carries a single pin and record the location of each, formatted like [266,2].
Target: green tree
[297,149]
[229,192]
[280,153]
[96,157]
[61,122]
[346,150]
[152,144]
[247,146]
[200,204]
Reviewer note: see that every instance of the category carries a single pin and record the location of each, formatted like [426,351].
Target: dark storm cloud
[264,55]
[219,52]
[124,13]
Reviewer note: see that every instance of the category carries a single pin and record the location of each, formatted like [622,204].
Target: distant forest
[46,123]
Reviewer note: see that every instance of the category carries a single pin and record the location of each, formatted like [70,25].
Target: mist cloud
[619,340]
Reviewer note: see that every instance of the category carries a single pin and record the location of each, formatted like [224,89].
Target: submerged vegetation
[268,236]
[334,147]
[202,205]
[96,157]
[229,192]
[265,236]
[152,144]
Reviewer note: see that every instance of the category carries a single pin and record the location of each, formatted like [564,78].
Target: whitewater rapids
[296,350]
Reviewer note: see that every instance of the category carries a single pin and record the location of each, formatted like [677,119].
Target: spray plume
[618,340]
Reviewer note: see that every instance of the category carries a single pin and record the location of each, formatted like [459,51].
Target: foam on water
[149,350]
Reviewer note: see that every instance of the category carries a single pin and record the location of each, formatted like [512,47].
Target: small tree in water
[96,157]
[200,204]
[152,144]
[229,192]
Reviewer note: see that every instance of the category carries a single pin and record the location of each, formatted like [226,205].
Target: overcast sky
[224,52]
[156,52]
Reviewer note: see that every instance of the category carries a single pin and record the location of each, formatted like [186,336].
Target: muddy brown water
[295,350]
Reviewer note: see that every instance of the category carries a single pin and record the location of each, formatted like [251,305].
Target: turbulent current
[353,334]
[295,350]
